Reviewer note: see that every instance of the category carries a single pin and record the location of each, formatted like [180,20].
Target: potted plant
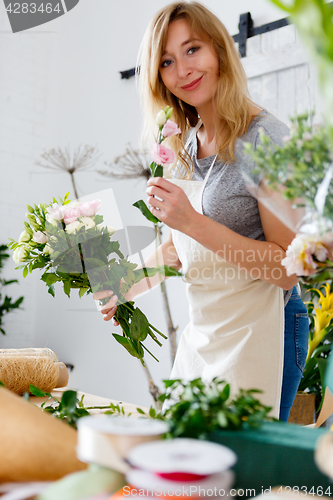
[312,387]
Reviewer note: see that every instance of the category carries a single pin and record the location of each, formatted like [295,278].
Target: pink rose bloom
[90,208]
[71,214]
[161,154]
[40,237]
[321,253]
[56,212]
[170,128]
[299,256]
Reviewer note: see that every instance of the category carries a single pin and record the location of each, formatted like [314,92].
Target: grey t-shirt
[226,198]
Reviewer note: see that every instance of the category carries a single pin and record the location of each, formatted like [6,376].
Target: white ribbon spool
[106,440]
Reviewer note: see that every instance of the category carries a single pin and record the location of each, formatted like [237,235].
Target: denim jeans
[296,337]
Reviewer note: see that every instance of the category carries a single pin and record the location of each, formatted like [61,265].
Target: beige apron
[236,328]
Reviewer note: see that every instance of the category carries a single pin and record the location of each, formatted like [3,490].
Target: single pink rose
[90,208]
[57,212]
[170,128]
[161,154]
[71,214]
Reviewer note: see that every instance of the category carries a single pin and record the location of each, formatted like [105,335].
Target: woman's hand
[170,204]
[109,309]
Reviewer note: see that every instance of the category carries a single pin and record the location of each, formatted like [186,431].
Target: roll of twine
[20,368]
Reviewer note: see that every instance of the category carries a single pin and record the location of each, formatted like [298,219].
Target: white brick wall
[24,60]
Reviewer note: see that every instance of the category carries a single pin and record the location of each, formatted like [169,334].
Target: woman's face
[189,66]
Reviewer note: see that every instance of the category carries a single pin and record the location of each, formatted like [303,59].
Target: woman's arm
[261,258]
[164,255]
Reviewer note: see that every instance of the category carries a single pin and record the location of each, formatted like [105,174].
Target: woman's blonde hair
[233,106]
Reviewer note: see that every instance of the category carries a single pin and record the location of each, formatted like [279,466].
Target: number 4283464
[303,490]
[33,8]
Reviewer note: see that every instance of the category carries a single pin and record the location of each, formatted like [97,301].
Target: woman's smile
[193,85]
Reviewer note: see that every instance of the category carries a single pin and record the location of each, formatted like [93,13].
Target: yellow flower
[322,316]
[326,302]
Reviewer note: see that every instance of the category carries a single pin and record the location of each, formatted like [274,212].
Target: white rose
[48,249]
[52,221]
[24,236]
[161,118]
[110,229]
[40,237]
[88,222]
[20,254]
[73,226]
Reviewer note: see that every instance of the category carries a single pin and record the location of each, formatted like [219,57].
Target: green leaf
[82,291]
[139,327]
[67,288]
[158,172]
[35,391]
[145,211]
[50,290]
[152,412]
[127,344]
[68,401]
[25,272]
[139,410]
[50,278]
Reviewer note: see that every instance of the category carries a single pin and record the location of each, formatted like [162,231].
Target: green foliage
[70,408]
[198,410]
[6,304]
[299,165]
[201,408]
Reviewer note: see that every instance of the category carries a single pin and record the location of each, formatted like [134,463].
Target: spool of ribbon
[106,440]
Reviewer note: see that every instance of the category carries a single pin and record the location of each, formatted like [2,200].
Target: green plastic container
[274,455]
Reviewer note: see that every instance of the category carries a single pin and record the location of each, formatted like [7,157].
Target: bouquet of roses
[162,155]
[71,245]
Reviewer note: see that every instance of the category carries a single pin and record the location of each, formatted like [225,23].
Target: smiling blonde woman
[228,245]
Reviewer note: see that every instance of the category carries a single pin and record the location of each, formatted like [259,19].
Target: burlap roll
[34,445]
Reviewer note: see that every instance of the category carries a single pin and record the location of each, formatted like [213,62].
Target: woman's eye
[191,50]
[165,63]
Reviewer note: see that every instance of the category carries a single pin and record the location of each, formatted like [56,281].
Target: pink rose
[90,208]
[71,214]
[170,128]
[161,154]
[56,211]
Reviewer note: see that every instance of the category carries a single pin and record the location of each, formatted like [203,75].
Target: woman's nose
[183,68]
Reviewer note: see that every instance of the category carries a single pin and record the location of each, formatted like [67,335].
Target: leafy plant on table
[70,408]
[6,304]
[320,311]
[201,408]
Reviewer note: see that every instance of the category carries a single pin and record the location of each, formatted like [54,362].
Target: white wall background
[60,85]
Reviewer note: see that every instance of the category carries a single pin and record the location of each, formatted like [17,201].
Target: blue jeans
[296,337]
